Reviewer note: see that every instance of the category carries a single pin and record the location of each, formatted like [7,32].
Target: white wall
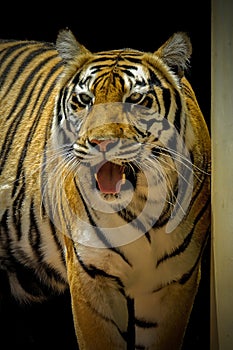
[222,173]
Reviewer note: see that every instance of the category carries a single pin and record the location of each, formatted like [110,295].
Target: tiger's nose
[104,145]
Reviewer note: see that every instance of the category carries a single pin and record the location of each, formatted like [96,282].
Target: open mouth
[110,177]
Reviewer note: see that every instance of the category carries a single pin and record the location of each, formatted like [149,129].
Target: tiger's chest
[141,267]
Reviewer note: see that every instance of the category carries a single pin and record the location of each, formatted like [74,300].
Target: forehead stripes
[108,65]
[120,65]
[112,76]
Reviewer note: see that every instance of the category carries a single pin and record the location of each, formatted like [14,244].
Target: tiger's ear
[68,47]
[176,52]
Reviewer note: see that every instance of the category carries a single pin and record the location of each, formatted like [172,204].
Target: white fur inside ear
[68,47]
[176,51]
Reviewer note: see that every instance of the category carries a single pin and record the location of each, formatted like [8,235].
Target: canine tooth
[123,179]
[95,176]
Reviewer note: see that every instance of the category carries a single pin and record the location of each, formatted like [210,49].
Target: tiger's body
[105,187]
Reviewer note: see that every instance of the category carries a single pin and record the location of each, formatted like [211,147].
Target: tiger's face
[120,121]
[117,107]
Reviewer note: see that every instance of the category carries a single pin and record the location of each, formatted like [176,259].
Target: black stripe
[140,82]
[23,66]
[4,220]
[32,283]
[58,108]
[104,57]
[48,215]
[5,236]
[119,77]
[14,125]
[151,68]
[17,207]
[57,242]
[132,59]
[123,334]
[36,243]
[139,132]
[64,93]
[132,219]
[183,246]
[93,272]
[9,49]
[99,68]
[85,81]
[131,324]
[157,102]
[186,276]
[34,232]
[30,77]
[145,324]
[100,79]
[117,251]
[167,101]
[99,233]
[127,66]
[53,231]
[76,78]
[128,215]
[128,72]
[148,102]
[32,130]
[131,55]
[177,120]
[8,53]
[148,237]
[44,180]
[153,80]
[24,148]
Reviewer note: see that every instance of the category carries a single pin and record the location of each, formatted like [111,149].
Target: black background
[142,25]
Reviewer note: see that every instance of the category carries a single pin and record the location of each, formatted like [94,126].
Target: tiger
[105,186]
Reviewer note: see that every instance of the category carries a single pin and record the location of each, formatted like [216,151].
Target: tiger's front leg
[99,310]
[105,317]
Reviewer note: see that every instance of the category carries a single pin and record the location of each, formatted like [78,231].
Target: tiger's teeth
[95,176]
[123,179]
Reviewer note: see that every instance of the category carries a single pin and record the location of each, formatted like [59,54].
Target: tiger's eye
[85,98]
[135,97]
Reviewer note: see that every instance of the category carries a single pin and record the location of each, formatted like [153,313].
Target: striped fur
[76,125]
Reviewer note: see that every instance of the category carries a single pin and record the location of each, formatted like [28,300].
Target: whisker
[37,167]
[164,150]
[65,164]
[174,168]
[166,184]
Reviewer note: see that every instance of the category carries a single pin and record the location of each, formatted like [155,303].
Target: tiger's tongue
[110,177]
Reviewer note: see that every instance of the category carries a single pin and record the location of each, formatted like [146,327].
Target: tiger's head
[121,120]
